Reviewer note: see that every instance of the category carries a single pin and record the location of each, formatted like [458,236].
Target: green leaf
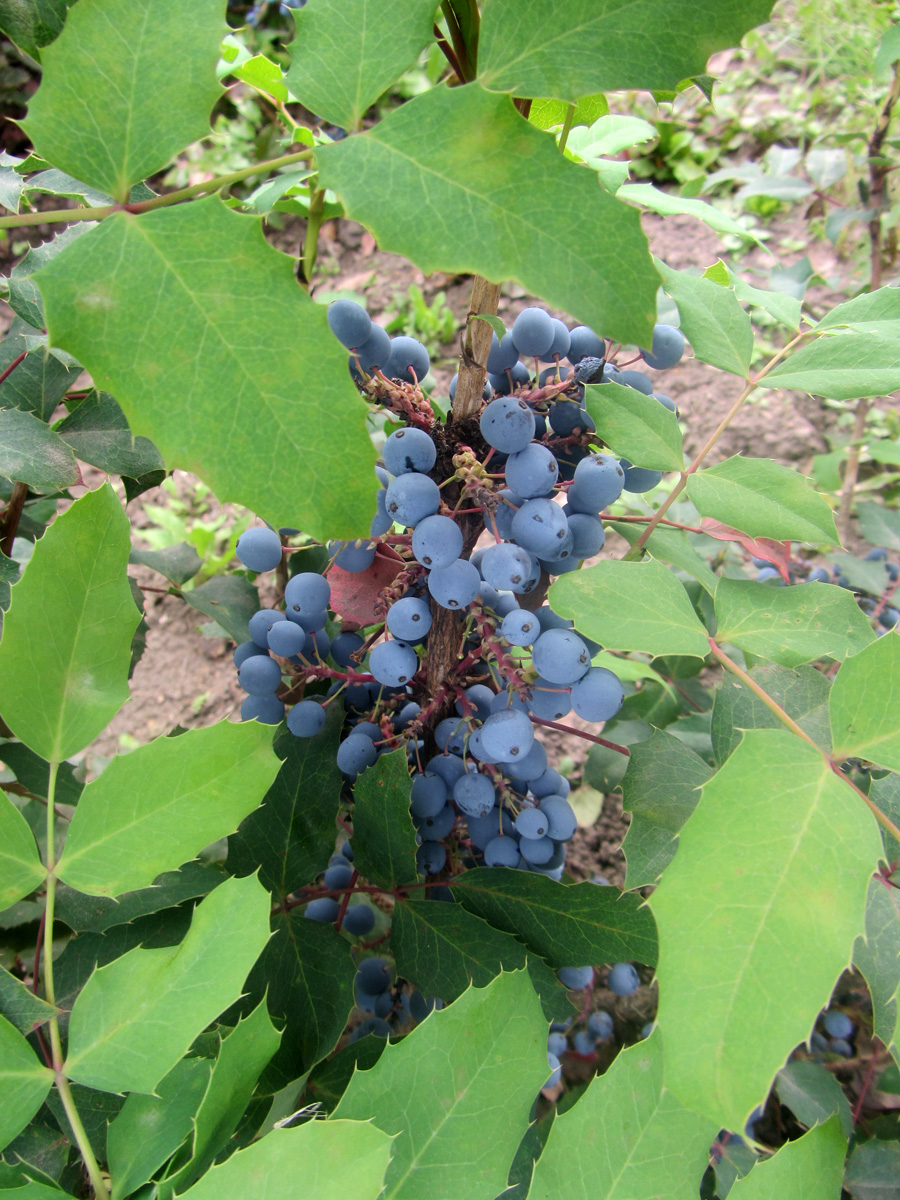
[262,343]
[135,1018]
[861,574]
[229,600]
[711,319]
[872,1170]
[115,105]
[24,1081]
[19,1004]
[877,955]
[495,323]
[533,48]
[328,1160]
[67,636]
[33,773]
[873,312]
[443,949]
[384,838]
[669,203]
[21,869]
[660,789]
[39,382]
[470,161]
[637,427]
[763,499]
[885,793]
[813,1165]
[671,546]
[306,974]
[790,890]
[569,926]
[239,1063]
[626,1137]
[328,1081]
[291,836]
[865,719]
[161,804]
[631,606]
[803,694]
[813,1094]
[544,114]
[149,1129]
[347,52]
[490,1088]
[41,1151]
[97,430]
[177,563]
[780,305]
[791,625]
[843,366]
[31,452]
[879,525]
[33,24]
[24,297]
[96,914]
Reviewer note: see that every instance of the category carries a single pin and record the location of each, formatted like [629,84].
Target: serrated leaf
[844,366]
[20,1006]
[813,1094]
[241,1058]
[135,1018]
[70,626]
[347,52]
[40,380]
[21,869]
[791,625]
[865,718]
[24,1080]
[41,1151]
[33,24]
[491,1088]
[637,427]
[83,913]
[546,113]
[384,838]
[261,342]
[879,525]
[114,105]
[783,307]
[471,161]
[161,804]
[862,574]
[877,955]
[328,1160]
[803,694]
[768,927]
[532,48]
[812,1165]
[149,1129]
[763,499]
[885,794]
[568,926]
[291,836]
[443,949]
[877,311]
[33,773]
[671,546]
[631,606]
[872,1170]
[34,454]
[177,563]
[97,431]
[660,789]
[626,1137]
[229,600]
[306,975]
[668,203]
[24,297]
[712,320]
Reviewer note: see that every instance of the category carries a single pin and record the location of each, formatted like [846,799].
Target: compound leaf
[712,320]
[463,159]
[490,1088]
[67,636]
[865,713]
[34,454]
[763,499]
[384,838]
[135,1018]
[97,431]
[802,693]
[242,349]
[791,625]
[843,366]
[21,869]
[636,426]
[631,606]
[791,889]
[115,103]
[347,52]
[627,1136]
[568,926]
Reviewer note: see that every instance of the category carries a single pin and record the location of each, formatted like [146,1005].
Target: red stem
[588,737]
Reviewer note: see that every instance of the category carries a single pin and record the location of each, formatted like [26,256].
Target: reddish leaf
[777,553]
[354,595]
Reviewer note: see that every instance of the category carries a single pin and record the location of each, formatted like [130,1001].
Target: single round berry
[393,663]
[259,549]
[668,347]
[306,718]
[533,332]
[437,541]
[623,979]
[408,450]
[576,978]
[349,322]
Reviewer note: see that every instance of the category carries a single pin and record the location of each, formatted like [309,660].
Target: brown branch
[476,345]
[10,524]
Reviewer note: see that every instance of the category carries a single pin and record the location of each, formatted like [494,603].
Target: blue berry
[408,450]
[259,549]
[623,979]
